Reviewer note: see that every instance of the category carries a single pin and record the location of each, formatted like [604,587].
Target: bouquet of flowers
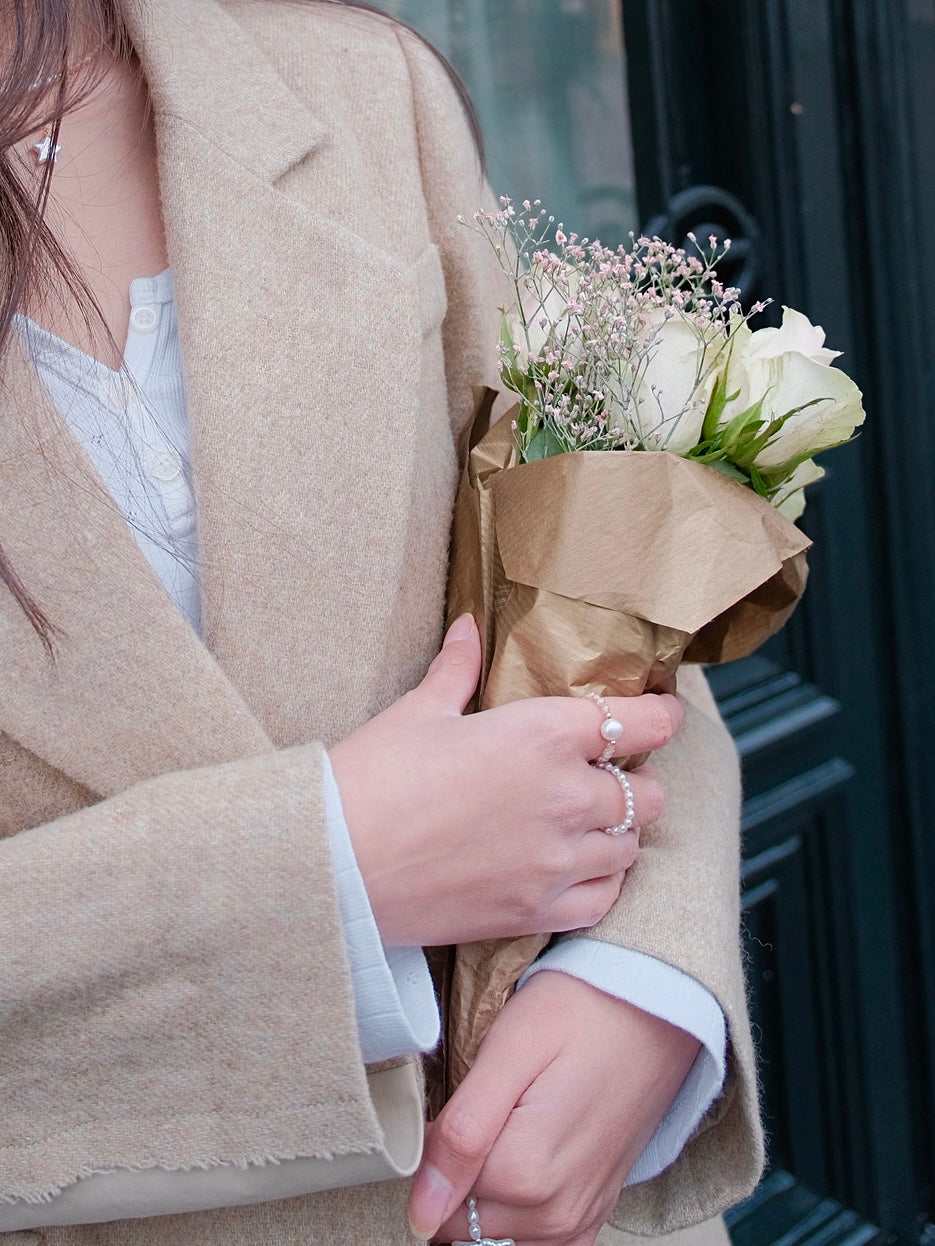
[635,507]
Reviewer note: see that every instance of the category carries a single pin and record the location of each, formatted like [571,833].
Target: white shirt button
[165,465]
[144,319]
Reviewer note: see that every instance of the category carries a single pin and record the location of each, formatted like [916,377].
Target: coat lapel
[302,336]
[131,691]
[289,320]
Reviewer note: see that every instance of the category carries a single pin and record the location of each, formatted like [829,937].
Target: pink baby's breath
[586,323]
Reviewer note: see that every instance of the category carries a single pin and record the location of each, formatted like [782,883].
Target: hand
[488,825]
[567,1089]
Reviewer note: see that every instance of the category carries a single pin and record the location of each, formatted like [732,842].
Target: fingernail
[460,629]
[431,1195]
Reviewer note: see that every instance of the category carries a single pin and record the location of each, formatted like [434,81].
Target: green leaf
[753,441]
[759,484]
[716,404]
[749,450]
[506,341]
[706,452]
[812,402]
[777,476]
[747,421]
[544,445]
[726,468]
[513,379]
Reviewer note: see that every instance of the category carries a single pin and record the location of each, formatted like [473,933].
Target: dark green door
[806,129]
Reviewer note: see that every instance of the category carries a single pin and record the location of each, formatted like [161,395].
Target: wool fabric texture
[175,988]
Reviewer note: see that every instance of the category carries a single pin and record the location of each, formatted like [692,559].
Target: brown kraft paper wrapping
[598,570]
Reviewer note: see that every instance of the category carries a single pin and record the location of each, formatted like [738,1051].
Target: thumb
[452,678]
[456,1148]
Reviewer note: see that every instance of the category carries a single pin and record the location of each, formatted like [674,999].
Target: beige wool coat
[174,989]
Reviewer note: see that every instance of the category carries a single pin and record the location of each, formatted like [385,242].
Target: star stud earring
[45,149]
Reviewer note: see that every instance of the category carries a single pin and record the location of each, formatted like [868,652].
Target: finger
[501,1220]
[450,681]
[649,722]
[603,800]
[611,804]
[497,1221]
[586,903]
[462,1136]
[601,855]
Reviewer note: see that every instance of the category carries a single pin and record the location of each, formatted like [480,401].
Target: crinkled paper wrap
[603,571]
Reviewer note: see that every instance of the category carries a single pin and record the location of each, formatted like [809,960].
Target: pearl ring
[611,728]
[629,820]
[477,1237]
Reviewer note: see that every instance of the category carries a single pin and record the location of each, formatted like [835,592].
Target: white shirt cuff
[394,998]
[672,995]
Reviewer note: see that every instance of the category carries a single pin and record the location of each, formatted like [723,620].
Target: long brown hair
[51,66]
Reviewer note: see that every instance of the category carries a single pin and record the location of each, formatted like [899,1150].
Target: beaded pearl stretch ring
[477,1238]
[611,728]
[621,776]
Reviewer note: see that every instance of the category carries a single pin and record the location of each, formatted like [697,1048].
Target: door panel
[762,103]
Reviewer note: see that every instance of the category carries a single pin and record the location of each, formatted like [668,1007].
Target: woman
[183,1029]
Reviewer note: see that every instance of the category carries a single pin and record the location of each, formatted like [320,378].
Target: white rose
[796,334]
[789,368]
[793,381]
[790,498]
[666,409]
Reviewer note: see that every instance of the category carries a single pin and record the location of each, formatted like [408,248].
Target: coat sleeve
[174,990]
[681,902]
